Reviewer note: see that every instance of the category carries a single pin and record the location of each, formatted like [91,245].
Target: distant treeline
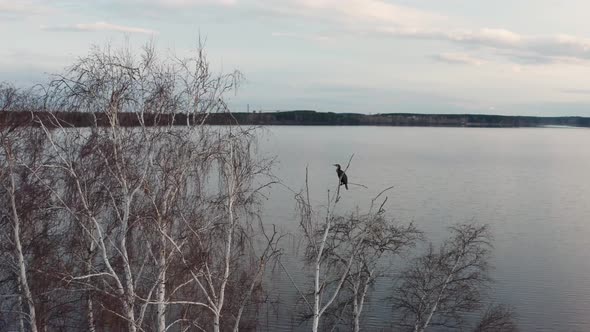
[406,119]
[300,118]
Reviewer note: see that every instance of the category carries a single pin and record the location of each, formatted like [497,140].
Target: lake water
[532,186]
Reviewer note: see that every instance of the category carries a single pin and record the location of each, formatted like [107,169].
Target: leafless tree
[497,318]
[439,287]
[18,212]
[27,221]
[8,97]
[158,208]
[383,241]
[346,253]
[329,272]
[157,225]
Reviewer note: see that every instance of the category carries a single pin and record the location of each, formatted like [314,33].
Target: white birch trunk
[247,297]
[129,296]
[316,291]
[90,314]
[228,246]
[89,304]
[439,296]
[359,303]
[21,321]
[22,269]
[316,298]
[161,291]
[355,305]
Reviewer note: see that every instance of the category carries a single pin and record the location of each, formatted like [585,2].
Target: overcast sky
[528,57]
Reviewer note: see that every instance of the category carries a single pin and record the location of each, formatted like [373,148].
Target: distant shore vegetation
[293,118]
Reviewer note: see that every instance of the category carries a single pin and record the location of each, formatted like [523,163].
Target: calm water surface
[531,185]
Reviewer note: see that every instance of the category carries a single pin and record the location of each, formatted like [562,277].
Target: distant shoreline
[294,118]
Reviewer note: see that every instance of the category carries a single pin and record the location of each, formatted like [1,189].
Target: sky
[522,57]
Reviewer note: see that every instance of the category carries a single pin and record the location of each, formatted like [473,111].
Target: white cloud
[518,48]
[377,16]
[383,18]
[188,3]
[312,37]
[98,26]
[374,10]
[353,11]
[179,4]
[576,91]
[13,9]
[484,37]
[459,58]
[561,45]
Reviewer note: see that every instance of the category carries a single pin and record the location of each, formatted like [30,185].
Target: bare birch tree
[497,318]
[345,253]
[143,200]
[26,220]
[383,240]
[329,273]
[14,216]
[439,287]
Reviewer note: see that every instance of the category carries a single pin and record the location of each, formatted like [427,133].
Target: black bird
[342,176]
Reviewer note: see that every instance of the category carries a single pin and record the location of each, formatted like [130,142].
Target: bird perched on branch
[342,176]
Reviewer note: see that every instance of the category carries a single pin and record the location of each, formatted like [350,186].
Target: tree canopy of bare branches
[345,253]
[443,284]
[141,229]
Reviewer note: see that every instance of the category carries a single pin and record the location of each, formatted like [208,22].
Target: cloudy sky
[529,57]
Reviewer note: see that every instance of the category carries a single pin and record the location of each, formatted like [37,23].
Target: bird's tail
[346,186]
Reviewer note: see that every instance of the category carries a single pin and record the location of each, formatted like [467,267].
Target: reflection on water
[531,185]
